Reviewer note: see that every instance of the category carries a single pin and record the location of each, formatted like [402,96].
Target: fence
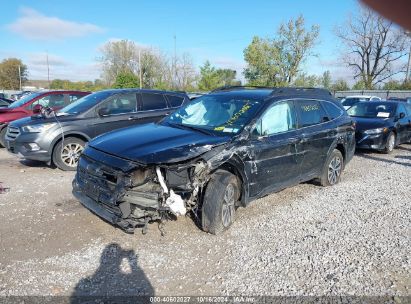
[384,94]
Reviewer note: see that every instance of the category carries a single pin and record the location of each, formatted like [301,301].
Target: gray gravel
[351,239]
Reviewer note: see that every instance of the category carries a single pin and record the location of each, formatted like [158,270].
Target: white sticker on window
[383,114]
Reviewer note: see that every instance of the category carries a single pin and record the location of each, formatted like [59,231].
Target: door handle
[132,117]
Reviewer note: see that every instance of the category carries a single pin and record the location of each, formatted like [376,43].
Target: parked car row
[158,155]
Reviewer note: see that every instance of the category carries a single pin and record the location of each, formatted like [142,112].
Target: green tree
[209,78]
[340,85]
[360,85]
[326,80]
[226,76]
[277,61]
[9,74]
[126,80]
[303,80]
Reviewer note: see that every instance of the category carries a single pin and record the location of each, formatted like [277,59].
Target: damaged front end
[132,195]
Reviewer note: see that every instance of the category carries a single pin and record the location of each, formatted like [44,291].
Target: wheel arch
[81,136]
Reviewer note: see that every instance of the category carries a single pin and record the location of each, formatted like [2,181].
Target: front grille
[99,182]
[12,133]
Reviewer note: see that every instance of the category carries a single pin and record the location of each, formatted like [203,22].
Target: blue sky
[73,31]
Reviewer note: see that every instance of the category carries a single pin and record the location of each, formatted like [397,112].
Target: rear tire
[332,170]
[219,202]
[66,154]
[3,137]
[390,144]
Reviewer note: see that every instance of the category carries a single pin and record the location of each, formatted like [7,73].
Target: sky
[72,32]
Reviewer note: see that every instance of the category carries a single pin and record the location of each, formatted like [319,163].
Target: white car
[349,101]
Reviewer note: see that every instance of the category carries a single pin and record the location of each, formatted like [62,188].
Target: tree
[359,85]
[126,80]
[373,47]
[277,61]
[340,85]
[185,73]
[209,79]
[226,76]
[303,80]
[326,80]
[9,74]
[118,57]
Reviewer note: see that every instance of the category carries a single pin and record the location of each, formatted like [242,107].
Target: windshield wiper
[189,127]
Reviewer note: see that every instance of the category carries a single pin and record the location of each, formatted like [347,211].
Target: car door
[317,134]
[402,124]
[119,111]
[274,163]
[152,107]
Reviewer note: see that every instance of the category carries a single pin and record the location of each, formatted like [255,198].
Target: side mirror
[103,112]
[37,109]
[402,115]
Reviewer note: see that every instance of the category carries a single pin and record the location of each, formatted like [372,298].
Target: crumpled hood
[156,144]
[371,123]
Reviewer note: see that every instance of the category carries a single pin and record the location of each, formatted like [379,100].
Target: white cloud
[33,25]
[60,68]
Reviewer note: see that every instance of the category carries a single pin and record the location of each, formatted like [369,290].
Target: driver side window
[44,102]
[278,118]
[121,104]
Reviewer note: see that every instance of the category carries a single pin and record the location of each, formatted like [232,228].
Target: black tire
[216,213]
[3,137]
[390,143]
[332,170]
[66,153]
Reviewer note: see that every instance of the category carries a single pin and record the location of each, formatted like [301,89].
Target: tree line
[372,47]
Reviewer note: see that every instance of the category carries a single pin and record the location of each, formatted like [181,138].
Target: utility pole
[175,62]
[407,75]
[139,69]
[48,69]
[20,76]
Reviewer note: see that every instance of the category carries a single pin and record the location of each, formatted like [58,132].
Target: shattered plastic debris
[176,204]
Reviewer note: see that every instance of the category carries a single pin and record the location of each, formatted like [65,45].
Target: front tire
[67,153]
[332,170]
[220,202]
[390,144]
[3,137]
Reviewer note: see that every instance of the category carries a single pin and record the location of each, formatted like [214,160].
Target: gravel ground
[351,239]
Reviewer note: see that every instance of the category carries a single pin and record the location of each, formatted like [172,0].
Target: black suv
[215,154]
[61,138]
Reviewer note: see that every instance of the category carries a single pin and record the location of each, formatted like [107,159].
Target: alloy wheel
[334,170]
[391,143]
[228,207]
[71,153]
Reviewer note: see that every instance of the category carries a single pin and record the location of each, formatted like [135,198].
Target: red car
[24,107]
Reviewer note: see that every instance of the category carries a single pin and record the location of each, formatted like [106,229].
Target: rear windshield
[372,110]
[349,102]
[85,103]
[25,100]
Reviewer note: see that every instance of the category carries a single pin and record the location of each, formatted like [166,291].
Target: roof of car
[143,91]
[268,92]
[360,96]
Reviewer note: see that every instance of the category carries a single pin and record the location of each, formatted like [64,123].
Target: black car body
[382,125]
[247,143]
[60,138]
[4,102]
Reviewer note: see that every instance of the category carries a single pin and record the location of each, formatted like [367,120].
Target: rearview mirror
[103,112]
[37,109]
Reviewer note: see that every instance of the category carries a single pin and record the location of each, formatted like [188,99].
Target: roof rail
[300,90]
[278,90]
[228,88]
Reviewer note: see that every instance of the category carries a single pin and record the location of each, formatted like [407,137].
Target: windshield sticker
[237,115]
[310,108]
[383,114]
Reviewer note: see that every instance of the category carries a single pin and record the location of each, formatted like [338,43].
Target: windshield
[350,101]
[85,103]
[215,114]
[24,100]
[372,110]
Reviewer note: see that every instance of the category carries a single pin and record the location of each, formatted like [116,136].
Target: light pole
[408,33]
